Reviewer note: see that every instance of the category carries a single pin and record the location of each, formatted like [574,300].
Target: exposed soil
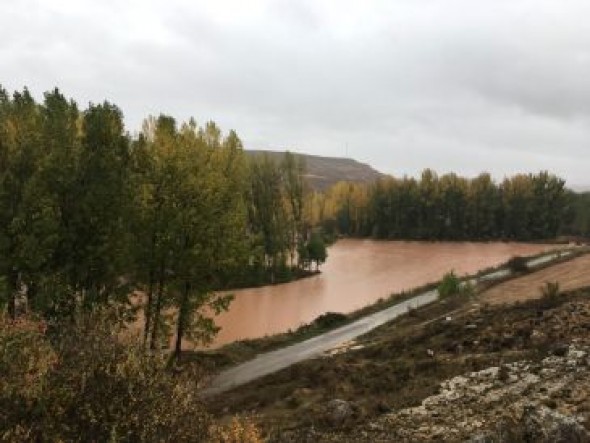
[570,275]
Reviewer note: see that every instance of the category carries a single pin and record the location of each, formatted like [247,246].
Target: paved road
[276,360]
[531,263]
[270,362]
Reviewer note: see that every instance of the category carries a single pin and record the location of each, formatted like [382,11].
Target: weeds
[451,285]
[550,290]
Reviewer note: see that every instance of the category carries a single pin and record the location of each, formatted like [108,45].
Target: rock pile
[546,401]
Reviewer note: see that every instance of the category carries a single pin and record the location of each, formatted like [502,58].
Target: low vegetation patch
[452,286]
[83,384]
[518,265]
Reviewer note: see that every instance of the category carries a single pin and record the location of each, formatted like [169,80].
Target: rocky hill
[323,172]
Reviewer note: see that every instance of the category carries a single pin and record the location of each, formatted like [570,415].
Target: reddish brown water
[357,273]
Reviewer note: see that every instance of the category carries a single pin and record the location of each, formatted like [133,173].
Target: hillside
[323,172]
[460,369]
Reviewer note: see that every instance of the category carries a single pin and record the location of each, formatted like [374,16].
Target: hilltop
[323,172]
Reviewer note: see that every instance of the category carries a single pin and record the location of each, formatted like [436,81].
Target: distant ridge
[323,172]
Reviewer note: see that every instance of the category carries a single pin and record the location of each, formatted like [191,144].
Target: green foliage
[190,224]
[449,207]
[276,196]
[316,250]
[518,264]
[87,214]
[451,286]
[329,320]
[577,220]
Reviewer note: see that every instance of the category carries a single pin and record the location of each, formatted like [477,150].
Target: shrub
[550,295]
[550,290]
[330,320]
[450,285]
[83,384]
[518,264]
[240,430]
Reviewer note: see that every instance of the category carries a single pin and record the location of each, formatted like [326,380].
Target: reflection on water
[357,273]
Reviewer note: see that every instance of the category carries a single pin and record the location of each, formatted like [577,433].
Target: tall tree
[19,157]
[267,212]
[295,190]
[211,230]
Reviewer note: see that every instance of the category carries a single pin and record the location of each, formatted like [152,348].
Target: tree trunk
[182,321]
[148,308]
[12,289]
[157,310]
[32,291]
[150,293]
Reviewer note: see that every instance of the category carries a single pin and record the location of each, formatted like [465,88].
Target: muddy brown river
[357,273]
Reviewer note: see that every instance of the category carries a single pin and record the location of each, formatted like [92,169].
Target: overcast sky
[456,85]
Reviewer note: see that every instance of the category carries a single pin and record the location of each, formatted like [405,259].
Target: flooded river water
[357,273]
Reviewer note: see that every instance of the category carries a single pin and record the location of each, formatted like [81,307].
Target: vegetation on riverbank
[523,207]
[90,213]
[240,351]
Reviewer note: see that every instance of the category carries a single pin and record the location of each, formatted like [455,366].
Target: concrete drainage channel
[273,361]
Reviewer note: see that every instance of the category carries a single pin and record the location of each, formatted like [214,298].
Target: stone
[339,411]
[546,425]
[560,350]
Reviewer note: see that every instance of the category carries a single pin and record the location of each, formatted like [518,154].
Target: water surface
[357,273]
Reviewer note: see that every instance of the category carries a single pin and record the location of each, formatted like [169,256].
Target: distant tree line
[89,213]
[577,222]
[448,207]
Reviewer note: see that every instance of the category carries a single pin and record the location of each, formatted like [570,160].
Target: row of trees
[277,195]
[89,213]
[522,207]
[578,223]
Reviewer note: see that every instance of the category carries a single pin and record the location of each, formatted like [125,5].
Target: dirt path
[572,274]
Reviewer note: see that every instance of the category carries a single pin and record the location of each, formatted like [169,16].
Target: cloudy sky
[461,85]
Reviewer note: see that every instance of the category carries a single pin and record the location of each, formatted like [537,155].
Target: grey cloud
[456,85]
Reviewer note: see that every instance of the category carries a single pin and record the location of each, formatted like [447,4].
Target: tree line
[448,207]
[89,214]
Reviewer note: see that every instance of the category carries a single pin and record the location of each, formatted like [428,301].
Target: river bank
[370,390]
[238,352]
[358,273]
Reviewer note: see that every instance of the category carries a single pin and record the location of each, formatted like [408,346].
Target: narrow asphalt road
[273,361]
